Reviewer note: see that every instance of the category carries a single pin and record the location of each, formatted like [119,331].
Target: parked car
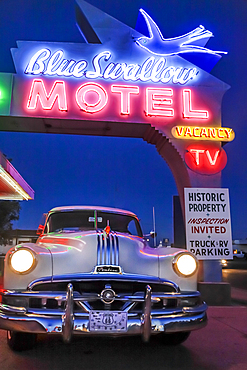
[238,254]
[92,272]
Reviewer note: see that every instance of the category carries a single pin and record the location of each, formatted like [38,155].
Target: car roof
[93,208]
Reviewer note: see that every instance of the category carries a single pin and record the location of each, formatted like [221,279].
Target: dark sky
[125,173]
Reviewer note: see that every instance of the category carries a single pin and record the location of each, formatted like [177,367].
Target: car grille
[98,285]
[128,288]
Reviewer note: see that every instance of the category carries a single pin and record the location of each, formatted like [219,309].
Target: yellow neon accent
[203,133]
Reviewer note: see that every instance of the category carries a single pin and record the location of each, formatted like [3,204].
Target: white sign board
[208,223]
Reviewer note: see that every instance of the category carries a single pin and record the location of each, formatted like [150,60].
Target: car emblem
[107,319]
[108,268]
[107,296]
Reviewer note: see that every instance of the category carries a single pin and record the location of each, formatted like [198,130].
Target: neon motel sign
[148,81]
[93,97]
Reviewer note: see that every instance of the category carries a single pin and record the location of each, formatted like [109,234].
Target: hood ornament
[107,229]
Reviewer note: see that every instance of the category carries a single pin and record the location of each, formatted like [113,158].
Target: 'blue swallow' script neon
[44,62]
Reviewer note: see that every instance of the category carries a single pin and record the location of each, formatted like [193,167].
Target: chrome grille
[129,295]
[107,249]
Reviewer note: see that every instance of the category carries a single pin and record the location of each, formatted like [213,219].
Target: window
[83,220]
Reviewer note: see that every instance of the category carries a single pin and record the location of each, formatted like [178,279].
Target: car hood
[82,252]
[75,254]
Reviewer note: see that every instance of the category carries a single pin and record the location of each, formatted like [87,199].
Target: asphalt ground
[222,344]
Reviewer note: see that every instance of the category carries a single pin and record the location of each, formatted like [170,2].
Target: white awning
[12,184]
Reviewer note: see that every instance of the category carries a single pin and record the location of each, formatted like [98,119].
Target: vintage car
[92,272]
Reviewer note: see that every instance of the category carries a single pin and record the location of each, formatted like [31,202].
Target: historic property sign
[208,223]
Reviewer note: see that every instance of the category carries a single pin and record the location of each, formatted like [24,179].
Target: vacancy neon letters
[93,97]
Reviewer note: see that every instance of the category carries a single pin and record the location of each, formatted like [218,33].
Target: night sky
[118,172]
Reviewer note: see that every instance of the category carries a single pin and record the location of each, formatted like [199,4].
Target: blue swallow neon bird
[193,41]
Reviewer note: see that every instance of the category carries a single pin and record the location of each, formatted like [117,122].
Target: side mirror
[42,224]
[40,230]
[152,234]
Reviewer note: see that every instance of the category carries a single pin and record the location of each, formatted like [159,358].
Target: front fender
[166,270]
[20,281]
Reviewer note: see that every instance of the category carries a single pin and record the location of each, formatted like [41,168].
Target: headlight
[22,261]
[223,263]
[185,264]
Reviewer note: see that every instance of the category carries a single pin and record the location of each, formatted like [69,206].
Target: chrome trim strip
[188,311]
[196,309]
[53,324]
[155,297]
[146,316]
[90,297]
[117,250]
[68,316]
[84,307]
[98,249]
[104,246]
[12,309]
[108,250]
[128,307]
[91,277]
[113,252]
[59,296]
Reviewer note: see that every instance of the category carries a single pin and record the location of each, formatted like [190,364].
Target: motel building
[132,83]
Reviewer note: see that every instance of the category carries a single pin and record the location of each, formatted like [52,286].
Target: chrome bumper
[67,322]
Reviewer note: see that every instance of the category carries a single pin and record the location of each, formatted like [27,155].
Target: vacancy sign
[208,223]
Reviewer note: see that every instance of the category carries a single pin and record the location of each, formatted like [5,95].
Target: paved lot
[220,345]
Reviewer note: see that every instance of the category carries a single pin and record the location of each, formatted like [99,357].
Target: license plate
[108,321]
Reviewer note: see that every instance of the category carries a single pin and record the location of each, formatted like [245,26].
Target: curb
[239,296]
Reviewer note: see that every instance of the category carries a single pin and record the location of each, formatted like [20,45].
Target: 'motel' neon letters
[92,98]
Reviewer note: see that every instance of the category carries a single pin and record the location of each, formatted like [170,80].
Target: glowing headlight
[22,260]
[185,264]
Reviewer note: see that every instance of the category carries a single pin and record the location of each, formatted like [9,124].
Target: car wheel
[174,339]
[18,341]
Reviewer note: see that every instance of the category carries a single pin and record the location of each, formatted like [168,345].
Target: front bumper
[69,322]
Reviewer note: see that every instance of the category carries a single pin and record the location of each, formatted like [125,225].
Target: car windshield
[83,220]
